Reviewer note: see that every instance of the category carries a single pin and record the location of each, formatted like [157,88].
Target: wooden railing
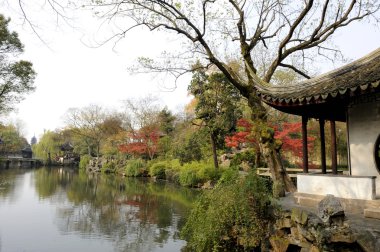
[293,171]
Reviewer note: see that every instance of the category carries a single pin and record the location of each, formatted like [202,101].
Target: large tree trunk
[257,157]
[98,149]
[214,154]
[281,179]
[88,149]
[49,159]
[270,149]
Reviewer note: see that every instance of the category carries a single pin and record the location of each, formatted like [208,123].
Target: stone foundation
[299,230]
[329,229]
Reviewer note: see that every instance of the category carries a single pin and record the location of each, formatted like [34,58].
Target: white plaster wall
[364,128]
[347,187]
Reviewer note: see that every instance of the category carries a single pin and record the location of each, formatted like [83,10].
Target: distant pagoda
[33,141]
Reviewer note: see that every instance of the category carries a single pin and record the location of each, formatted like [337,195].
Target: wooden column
[323,148]
[305,162]
[333,148]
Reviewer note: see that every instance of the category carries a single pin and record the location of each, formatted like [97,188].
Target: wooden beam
[323,145]
[305,162]
[333,148]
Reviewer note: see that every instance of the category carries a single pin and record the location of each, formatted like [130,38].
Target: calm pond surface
[59,209]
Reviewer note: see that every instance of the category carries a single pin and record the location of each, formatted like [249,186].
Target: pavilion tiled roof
[360,76]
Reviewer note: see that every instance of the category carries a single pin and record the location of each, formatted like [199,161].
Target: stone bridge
[7,162]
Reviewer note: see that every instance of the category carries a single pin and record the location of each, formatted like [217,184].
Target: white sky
[71,74]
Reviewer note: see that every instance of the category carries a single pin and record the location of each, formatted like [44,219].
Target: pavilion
[348,94]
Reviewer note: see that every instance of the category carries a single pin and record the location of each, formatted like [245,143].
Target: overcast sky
[72,74]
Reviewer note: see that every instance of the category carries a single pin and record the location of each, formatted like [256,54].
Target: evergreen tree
[217,106]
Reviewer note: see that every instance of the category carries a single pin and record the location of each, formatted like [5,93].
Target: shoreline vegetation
[234,215]
[194,174]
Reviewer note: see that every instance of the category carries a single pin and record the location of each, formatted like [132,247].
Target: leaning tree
[264,35]
[286,34]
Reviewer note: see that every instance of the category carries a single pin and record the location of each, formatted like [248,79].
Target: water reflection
[8,183]
[128,214]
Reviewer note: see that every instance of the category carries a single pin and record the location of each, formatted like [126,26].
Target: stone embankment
[95,165]
[329,229]
[105,164]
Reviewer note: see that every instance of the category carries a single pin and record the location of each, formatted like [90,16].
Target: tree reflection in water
[136,214]
[8,180]
[7,184]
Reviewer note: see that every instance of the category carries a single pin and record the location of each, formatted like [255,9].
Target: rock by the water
[327,230]
[208,185]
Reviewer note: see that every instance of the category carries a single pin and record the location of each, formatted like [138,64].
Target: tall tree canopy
[217,106]
[49,146]
[11,140]
[266,34]
[93,124]
[16,76]
[282,32]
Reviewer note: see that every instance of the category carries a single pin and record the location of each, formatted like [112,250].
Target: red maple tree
[143,142]
[290,135]
[242,136]
[288,132]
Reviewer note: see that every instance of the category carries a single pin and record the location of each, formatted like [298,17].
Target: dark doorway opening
[377,153]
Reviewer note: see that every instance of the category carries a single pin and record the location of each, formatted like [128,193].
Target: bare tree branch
[295,70]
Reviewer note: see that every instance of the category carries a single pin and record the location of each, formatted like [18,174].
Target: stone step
[308,200]
[373,203]
[372,213]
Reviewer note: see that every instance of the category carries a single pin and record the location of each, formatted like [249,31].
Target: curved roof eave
[331,89]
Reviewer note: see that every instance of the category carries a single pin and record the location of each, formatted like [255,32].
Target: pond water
[59,209]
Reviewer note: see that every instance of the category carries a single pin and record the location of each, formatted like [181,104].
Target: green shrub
[158,170]
[246,156]
[194,173]
[234,216]
[208,172]
[174,165]
[165,169]
[228,176]
[172,175]
[135,168]
[84,161]
[109,167]
[188,177]
[172,169]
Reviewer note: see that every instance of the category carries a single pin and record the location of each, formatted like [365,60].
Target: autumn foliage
[290,135]
[242,136]
[143,142]
[288,132]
